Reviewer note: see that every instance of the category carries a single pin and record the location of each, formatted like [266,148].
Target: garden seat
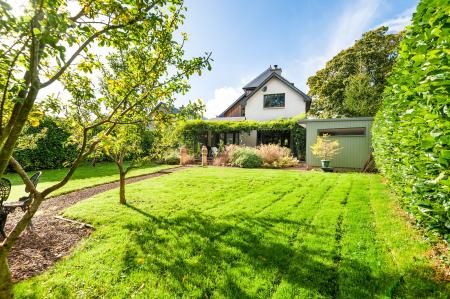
[9,207]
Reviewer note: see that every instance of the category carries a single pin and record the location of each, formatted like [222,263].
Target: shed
[354,136]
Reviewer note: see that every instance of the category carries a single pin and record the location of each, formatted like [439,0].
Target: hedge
[411,133]
[51,151]
[192,129]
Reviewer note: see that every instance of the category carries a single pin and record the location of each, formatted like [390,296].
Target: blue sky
[246,36]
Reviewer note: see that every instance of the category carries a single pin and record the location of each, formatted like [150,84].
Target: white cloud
[223,97]
[355,19]
[399,23]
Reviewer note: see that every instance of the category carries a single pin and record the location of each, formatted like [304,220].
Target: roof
[234,103]
[162,105]
[261,80]
[303,121]
[263,76]
[232,118]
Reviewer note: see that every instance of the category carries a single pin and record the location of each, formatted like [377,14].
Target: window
[242,110]
[282,138]
[342,132]
[274,100]
[226,138]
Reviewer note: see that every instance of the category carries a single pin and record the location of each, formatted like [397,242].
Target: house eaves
[234,103]
[245,96]
[305,97]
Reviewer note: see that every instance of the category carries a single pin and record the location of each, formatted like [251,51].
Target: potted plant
[325,149]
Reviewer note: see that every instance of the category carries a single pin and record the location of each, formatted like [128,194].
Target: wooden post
[183,156]
[204,156]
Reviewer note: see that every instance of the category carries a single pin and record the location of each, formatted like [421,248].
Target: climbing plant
[192,131]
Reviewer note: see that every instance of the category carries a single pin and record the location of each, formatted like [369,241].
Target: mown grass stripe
[314,237]
[404,247]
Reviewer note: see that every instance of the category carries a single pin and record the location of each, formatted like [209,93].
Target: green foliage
[335,86]
[192,130]
[246,157]
[325,148]
[171,157]
[361,97]
[412,130]
[52,150]
[244,233]
[166,137]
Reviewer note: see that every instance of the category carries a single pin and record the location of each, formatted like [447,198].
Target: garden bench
[9,207]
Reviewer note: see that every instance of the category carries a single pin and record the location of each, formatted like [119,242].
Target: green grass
[85,176]
[238,233]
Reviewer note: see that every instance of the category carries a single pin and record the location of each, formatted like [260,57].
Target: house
[354,136]
[269,96]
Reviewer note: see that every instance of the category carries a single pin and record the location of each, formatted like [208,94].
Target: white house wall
[294,103]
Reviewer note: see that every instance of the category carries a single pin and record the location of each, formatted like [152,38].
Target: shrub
[411,133]
[325,148]
[246,157]
[225,155]
[50,151]
[274,155]
[172,157]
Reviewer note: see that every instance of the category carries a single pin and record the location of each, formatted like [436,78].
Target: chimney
[276,69]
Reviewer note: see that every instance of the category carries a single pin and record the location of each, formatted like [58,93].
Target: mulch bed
[51,238]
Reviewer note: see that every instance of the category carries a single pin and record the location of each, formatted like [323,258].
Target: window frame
[321,132]
[274,107]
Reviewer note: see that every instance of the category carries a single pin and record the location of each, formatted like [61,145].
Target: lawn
[85,176]
[239,233]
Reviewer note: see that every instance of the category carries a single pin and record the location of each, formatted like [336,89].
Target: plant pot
[325,163]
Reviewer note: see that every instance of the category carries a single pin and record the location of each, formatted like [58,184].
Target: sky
[246,36]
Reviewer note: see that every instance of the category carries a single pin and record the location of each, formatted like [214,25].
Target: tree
[411,132]
[124,143]
[167,137]
[147,65]
[361,97]
[337,89]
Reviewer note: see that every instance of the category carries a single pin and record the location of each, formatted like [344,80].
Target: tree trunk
[6,284]
[122,174]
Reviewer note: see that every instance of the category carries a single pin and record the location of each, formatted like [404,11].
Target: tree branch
[26,180]
[82,47]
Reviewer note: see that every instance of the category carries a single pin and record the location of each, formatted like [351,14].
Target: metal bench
[9,207]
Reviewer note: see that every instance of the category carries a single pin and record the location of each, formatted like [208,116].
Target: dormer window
[274,100]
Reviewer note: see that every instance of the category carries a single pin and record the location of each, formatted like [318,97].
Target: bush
[274,155]
[267,155]
[411,133]
[224,156]
[246,157]
[325,148]
[172,157]
[51,151]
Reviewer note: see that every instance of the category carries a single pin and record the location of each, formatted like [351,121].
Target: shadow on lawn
[231,255]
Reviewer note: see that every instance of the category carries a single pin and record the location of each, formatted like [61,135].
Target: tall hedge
[51,151]
[411,133]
